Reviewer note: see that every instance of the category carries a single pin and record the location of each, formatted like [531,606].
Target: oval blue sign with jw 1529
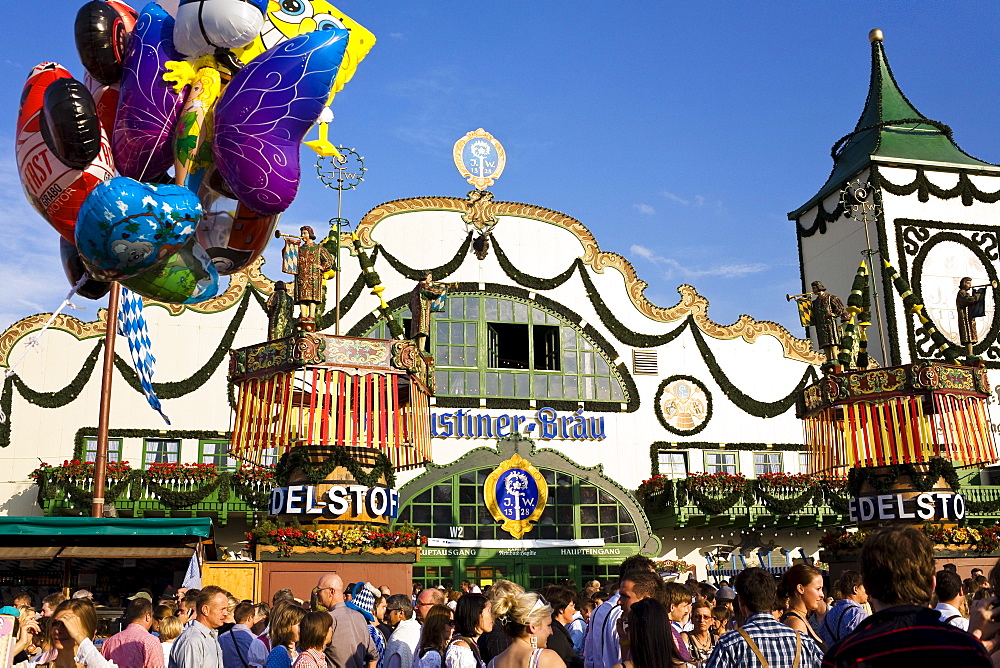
[480,158]
[516,494]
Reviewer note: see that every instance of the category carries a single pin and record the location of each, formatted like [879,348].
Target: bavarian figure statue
[422,301]
[309,262]
[828,313]
[971,304]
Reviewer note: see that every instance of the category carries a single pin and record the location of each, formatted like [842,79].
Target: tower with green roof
[930,209]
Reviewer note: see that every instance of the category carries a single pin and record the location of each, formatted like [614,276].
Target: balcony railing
[673,506]
[180,491]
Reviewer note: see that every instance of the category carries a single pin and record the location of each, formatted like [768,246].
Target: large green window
[503,347]
[576,508]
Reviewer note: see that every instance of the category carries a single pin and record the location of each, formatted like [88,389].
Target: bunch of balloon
[169,164]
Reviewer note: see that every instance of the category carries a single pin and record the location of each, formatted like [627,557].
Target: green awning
[195,527]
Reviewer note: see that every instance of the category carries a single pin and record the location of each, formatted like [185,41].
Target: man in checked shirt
[761,640]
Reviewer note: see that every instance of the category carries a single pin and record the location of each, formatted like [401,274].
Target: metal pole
[340,207]
[874,285]
[101,459]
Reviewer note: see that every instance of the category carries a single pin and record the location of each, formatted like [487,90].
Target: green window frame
[114,449]
[766,462]
[722,462]
[160,451]
[576,508]
[496,346]
[216,451]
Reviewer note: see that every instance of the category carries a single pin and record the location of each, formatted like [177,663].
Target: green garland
[6,405]
[174,498]
[883,478]
[261,300]
[179,388]
[657,405]
[296,458]
[437,273]
[83,498]
[682,492]
[783,506]
[921,185]
[982,507]
[821,219]
[617,329]
[67,394]
[533,282]
[620,331]
[761,409]
[709,505]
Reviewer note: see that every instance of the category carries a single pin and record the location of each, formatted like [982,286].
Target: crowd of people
[894,611]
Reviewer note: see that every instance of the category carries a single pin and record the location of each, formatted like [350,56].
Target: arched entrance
[588,525]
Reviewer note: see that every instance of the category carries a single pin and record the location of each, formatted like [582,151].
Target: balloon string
[142,175]
[33,341]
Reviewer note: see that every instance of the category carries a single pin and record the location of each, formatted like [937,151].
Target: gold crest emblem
[516,494]
[480,158]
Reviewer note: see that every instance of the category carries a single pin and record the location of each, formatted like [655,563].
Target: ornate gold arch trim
[81,330]
[690,303]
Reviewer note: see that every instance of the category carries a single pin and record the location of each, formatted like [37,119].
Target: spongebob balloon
[285,19]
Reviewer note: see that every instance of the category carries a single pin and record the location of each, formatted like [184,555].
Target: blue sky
[680,134]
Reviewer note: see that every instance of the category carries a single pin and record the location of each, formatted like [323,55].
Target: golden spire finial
[875,35]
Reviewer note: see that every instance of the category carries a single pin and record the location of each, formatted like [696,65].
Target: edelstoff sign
[546,424]
[340,502]
[926,507]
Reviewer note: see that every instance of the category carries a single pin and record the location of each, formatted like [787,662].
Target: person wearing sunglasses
[402,644]
[700,640]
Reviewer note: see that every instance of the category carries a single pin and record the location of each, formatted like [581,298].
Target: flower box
[394,555]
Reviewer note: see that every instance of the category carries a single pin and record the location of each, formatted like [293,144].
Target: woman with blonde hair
[69,641]
[170,628]
[528,621]
[501,595]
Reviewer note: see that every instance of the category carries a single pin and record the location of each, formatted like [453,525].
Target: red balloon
[55,190]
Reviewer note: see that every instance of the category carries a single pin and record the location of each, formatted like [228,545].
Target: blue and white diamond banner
[132,325]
